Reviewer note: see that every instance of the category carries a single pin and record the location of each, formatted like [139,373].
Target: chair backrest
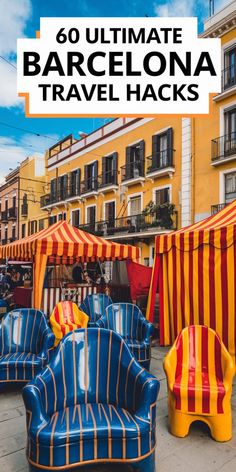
[95,305]
[125,319]
[90,366]
[22,331]
[65,312]
[198,348]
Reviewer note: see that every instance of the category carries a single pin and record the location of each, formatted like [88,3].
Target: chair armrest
[100,323]
[169,366]
[146,410]
[228,366]
[47,343]
[147,331]
[33,405]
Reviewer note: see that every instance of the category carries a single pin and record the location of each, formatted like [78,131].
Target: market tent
[61,243]
[195,269]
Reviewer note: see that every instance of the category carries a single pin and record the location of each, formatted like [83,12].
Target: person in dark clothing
[77,274]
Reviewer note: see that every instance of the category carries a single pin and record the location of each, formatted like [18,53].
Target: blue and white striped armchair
[94,306]
[25,342]
[127,320]
[93,403]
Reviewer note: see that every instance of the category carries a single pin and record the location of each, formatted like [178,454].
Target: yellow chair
[199,372]
[67,317]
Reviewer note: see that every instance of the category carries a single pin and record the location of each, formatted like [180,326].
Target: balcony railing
[107,178]
[89,185]
[223,147]
[160,160]
[229,77]
[12,239]
[216,208]
[4,216]
[12,213]
[134,170]
[131,224]
[4,241]
[62,195]
[24,209]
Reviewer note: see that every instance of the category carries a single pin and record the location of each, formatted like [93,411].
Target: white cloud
[186,7]
[13,151]
[14,15]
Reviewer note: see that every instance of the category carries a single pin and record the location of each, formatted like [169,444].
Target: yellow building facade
[134,178]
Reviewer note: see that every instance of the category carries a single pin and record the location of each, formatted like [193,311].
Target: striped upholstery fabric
[25,341]
[127,320]
[66,317]
[94,306]
[101,408]
[199,372]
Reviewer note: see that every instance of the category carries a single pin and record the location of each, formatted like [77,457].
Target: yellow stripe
[184,380]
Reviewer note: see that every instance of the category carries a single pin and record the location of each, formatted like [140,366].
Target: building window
[32,227]
[230,187]
[52,219]
[62,187]
[109,169]
[14,201]
[23,230]
[135,205]
[53,190]
[229,73]
[134,161]
[75,217]
[91,215]
[74,185]
[162,196]
[110,213]
[41,224]
[6,234]
[13,233]
[6,205]
[162,151]
[230,131]
[91,177]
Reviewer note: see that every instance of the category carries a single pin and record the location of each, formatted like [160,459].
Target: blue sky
[20,18]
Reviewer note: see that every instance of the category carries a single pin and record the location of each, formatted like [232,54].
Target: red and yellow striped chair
[199,373]
[67,317]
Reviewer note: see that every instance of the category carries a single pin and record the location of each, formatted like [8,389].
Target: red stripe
[219,376]
[205,372]
[192,369]
[200,279]
[182,282]
[178,372]
[224,285]
[191,316]
[212,282]
[174,296]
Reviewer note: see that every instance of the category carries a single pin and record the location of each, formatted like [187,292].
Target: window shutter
[142,156]
[170,146]
[115,162]
[128,162]
[70,185]
[65,186]
[86,184]
[95,186]
[155,151]
[78,180]
[104,175]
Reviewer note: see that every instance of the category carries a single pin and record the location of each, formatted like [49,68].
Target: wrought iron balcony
[60,196]
[223,147]
[89,185]
[12,213]
[134,224]
[216,208]
[24,209]
[134,170]
[229,77]
[4,241]
[12,239]
[73,191]
[45,200]
[4,216]
[107,179]
[160,160]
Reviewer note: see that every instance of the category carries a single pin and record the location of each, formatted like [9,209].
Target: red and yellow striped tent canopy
[62,243]
[195,269]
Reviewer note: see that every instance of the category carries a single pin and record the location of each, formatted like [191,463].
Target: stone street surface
[195,453]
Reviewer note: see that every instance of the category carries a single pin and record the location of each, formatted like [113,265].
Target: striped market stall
[61,243]
[195,269]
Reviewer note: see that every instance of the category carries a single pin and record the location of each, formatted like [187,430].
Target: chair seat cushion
[74,422]
[192,386]
[136,344]
[20,366]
